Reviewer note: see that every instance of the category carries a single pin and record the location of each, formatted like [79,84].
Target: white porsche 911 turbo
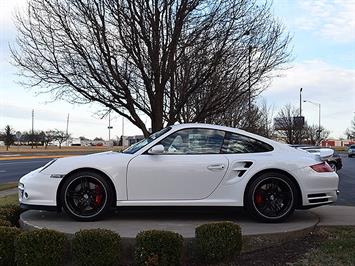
[186,165]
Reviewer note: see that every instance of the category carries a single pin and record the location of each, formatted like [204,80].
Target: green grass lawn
[337,248]
[7,186]
[10,199]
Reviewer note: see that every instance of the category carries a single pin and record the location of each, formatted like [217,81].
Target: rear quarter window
[236,143]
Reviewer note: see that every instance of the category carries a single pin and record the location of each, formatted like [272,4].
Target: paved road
[13,170]
[347,182]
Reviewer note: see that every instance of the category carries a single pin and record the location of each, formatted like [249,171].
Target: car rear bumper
[317,188]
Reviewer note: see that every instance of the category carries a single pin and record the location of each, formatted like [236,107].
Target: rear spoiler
[325,154]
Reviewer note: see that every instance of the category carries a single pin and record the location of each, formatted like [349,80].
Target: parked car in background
[335,161]
[186,165]
[351,151]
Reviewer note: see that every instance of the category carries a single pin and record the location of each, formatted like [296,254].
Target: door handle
[215,167]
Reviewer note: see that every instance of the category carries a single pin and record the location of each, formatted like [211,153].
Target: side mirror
[157,149]
[325,154]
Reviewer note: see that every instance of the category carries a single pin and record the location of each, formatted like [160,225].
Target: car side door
[190,167]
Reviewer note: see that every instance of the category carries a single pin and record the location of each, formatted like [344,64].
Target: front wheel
[86,196]
[271,197]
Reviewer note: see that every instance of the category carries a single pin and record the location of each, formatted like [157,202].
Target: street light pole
[301,101]
[319,115]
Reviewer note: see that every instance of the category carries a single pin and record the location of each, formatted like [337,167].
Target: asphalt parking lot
[12,171]
[347,182]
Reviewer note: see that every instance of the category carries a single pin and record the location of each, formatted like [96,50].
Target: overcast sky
[324,66]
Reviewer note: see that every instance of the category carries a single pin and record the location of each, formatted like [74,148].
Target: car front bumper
[38,189]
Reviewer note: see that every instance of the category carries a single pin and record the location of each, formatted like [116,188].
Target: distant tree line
[35,138]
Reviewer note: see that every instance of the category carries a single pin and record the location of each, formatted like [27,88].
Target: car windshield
[139,145]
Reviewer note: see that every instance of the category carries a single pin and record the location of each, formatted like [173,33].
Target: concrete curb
[278,233]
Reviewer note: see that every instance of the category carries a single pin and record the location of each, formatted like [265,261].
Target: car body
[335,161]
[351,150]
[185,165]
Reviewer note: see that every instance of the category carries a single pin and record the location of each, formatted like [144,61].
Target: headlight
[21,186]
[48,164]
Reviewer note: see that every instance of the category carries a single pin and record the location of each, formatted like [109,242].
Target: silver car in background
[351,150]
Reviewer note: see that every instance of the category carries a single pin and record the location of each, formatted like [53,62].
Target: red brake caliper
[259,199]
[98,195]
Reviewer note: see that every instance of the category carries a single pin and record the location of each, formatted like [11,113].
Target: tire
[86,196]
[271,197]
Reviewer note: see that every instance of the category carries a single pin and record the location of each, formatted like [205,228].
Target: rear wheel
[86,196]
[271,197]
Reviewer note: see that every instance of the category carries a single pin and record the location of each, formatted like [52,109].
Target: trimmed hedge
[11,213]
[40,247]
[7,249]
[5,223]
[155,247]
[96,247]
[218,242]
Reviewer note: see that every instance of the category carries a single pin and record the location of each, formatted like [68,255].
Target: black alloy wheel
[271,197]
[86,196]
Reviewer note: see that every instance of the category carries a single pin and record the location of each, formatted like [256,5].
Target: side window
[235,143]
[194,141]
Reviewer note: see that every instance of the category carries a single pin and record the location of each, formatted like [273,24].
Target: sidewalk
[335,215]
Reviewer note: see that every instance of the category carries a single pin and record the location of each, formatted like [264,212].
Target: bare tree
[49,136]
[171,60]
[285,126]
[60,136]
[350,132]
[312,135]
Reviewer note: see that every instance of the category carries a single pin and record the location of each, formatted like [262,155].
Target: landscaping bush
[96,247]
[5,223]
[156,247]
[11,213]
[218,242]
[40,247]
[7,250]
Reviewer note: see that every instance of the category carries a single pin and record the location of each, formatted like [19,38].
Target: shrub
[218,242]
[40,247]
[96,247]
[7,250]
[10,213]
[156,247]
[5,223]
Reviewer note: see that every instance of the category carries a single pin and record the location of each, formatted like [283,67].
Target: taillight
[322,167]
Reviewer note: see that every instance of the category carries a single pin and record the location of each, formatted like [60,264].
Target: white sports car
[186,165]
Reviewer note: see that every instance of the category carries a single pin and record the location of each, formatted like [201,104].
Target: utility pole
[109,125]
[32,133]
[66,132]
